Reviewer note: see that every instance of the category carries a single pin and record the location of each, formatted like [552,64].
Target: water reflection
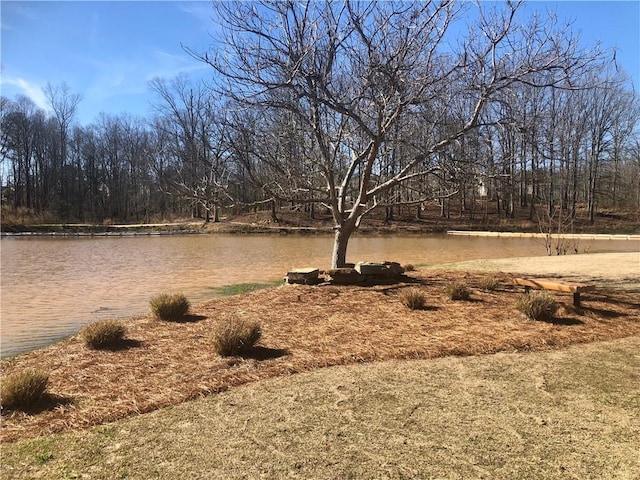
[53,286]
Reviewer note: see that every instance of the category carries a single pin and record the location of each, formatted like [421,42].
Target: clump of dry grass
[22,390]
[409,267]
[103,334]
[170,307]
[413,298]
[489,283]
[537,305]
[458,291]
[235,336]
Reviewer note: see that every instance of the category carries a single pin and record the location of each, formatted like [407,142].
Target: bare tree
[353,73]
[197,147]
[64,105]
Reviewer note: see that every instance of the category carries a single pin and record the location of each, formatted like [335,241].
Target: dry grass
[413,298]
[235,336]
[553,415]
[304,328]
[537,305]
[104,334]
[169,307]
[24,389]
[459,291]
[490,283]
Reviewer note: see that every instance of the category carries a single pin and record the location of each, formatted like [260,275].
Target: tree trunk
[274,217]
[388,214]
[340,242]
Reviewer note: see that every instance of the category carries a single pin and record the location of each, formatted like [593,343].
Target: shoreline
[580,236]
[99,234]
[168,363]
[253,229]
[620,270]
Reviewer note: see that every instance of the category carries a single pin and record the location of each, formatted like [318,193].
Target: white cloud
[169,65]
[130,76]
[203,11]
[34,92]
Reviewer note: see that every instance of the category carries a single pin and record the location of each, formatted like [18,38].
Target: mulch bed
[304,328]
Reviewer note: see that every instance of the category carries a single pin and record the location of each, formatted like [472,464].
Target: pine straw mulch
[304,328]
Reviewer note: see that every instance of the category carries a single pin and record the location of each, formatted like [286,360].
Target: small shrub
[413,298]
[458,291]
[409,267]
[169,307]
[235,336]
[489,283]
[537,305]
[103,334]
[23,390]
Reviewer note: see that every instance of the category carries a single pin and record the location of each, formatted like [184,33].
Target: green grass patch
[239,288]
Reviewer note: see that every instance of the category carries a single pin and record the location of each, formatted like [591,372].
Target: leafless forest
[345,107]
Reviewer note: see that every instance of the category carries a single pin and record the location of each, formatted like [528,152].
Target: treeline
[546,149]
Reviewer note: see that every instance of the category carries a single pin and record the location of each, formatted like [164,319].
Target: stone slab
[379,269]
[304,276]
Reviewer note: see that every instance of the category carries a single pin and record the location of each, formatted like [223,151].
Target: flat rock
[304,276]
[344,276]
[380,269]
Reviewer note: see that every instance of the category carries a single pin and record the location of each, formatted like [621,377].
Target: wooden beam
[555,284]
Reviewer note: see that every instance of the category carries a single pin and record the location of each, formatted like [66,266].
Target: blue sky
[108,51]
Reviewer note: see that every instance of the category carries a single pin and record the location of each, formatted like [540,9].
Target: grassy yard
[571,413]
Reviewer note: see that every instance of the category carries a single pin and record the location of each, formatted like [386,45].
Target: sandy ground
[615,270]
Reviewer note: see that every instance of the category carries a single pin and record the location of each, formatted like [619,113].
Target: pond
[52,286]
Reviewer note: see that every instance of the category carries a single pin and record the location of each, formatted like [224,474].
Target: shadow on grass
[465,300]
[611,297]
[124,344]
[566,321]
[49,401]
[187,319]
[395,281]
[265,353]
[427,308]
[600,312]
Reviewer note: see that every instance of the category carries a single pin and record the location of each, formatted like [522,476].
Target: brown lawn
[304,328]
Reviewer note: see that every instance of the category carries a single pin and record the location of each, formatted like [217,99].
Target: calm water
[51,286]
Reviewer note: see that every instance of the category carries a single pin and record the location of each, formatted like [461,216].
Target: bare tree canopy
[188,116]
[335,110]
[362,82]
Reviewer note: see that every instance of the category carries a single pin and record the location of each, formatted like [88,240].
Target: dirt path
[613,270]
